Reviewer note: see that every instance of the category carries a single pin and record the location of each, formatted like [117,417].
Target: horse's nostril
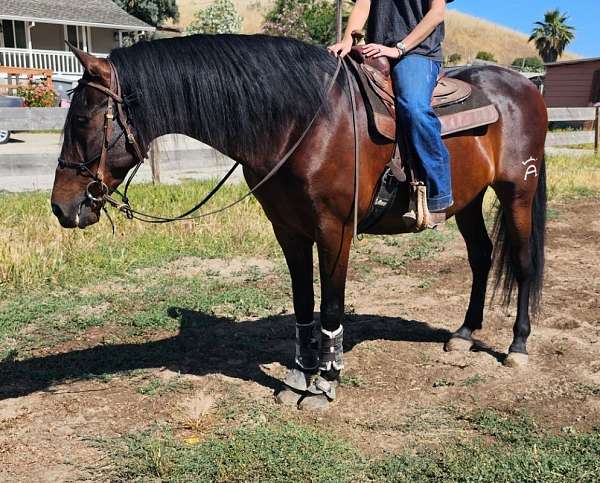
[56,210]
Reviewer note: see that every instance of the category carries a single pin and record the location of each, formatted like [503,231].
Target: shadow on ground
[205,344]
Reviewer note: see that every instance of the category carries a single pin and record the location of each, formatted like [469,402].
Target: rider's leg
[414,78]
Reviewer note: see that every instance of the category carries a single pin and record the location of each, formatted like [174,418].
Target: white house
[33,32]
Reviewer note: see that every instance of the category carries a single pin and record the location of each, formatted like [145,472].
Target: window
[13,32]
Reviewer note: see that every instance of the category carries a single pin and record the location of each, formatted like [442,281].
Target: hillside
[466,34]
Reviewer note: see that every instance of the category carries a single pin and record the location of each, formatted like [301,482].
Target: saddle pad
[476,111]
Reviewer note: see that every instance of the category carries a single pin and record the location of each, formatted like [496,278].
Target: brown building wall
[570,85]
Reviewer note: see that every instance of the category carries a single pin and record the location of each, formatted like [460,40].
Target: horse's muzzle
[77,215]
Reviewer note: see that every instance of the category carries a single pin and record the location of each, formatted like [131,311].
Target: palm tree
[552,36]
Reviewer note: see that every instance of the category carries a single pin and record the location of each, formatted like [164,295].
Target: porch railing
[58,61]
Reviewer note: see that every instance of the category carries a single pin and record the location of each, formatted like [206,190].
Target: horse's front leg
[297,250]
[333,245]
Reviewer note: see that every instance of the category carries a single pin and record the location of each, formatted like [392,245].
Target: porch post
[28,26]
[85,43]
[89,36]
[120,39]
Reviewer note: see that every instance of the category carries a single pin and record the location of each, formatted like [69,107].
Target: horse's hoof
[516,360]
[314,403]
[458,344]
[288,397]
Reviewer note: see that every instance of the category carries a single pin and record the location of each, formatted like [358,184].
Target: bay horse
[252,98]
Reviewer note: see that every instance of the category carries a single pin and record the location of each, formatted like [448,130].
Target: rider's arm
[425,27]
[357,20]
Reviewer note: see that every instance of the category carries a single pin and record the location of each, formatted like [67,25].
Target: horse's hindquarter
[519,134]
[494,154]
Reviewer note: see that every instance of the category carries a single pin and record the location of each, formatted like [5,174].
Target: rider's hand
[341,48]
[378,50]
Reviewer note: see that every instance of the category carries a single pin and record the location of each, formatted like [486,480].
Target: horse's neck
[258,164]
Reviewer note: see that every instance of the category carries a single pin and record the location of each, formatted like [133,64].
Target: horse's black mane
[238,93]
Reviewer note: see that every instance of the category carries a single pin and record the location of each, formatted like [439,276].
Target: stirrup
[418,214]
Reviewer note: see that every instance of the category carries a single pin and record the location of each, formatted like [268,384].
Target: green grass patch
[280,451]
[158,387]
[501,448]
[414,247]
[43,318]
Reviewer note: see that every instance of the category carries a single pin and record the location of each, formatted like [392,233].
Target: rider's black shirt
[390,21]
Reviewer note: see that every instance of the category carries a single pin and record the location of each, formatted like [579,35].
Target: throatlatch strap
[332,350]
[307,346]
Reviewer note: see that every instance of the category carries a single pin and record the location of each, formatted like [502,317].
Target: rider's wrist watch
[401,46]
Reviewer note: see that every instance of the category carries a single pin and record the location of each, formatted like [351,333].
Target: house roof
[93,13]
[570,62]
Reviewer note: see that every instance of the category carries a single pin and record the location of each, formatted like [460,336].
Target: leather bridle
[99,194]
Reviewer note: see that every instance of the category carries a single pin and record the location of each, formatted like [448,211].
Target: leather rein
[99,194]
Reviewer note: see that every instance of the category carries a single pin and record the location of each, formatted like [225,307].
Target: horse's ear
[93,65]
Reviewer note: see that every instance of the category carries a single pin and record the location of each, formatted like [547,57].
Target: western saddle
[459,106]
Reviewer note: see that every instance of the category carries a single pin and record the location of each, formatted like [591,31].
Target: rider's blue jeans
[414,78]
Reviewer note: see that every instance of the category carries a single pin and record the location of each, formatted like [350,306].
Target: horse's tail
[503,251]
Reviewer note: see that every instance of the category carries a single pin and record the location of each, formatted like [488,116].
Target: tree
[487,56]
[552,36]
[153,12]
[220,17]
[309,20]
[529,64]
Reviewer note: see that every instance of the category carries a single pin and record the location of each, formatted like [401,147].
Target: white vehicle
[8,101]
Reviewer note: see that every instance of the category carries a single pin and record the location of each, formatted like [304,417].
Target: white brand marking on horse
[531,169]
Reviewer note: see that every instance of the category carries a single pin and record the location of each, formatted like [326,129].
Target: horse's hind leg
[479,247]
[521,237]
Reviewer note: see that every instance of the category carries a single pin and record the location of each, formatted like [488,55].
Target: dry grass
[35,251]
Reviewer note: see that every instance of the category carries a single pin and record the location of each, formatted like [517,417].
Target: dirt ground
[397,374]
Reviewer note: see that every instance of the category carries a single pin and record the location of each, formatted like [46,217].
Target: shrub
[220,17]
[37,95]
[487,56]
[529,64]
[454,58]
[309,20]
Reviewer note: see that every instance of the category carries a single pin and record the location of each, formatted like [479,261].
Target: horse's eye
[82,120]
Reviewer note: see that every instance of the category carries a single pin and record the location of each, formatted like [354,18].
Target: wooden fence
[50,118]
[16,76]
[575,114]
